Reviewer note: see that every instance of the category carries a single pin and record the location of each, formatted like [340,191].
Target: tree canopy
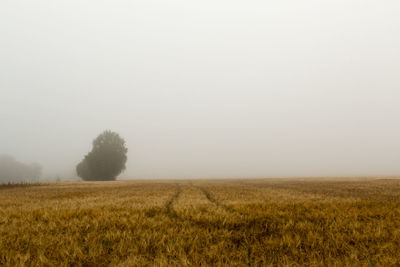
[106,160]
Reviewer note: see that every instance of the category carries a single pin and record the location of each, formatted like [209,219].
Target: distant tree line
[104,162]
[12,171]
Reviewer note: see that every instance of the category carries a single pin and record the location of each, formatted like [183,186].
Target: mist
[209,89]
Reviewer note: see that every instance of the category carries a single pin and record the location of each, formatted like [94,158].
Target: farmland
[263,222]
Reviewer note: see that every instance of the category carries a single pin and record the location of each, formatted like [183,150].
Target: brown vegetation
[284,222]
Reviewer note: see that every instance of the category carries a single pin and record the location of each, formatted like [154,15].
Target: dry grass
[284,222]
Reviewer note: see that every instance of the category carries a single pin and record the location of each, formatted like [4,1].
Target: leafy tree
[106,160]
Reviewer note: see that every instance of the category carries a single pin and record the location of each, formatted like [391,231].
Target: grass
[270,222]
[20,184]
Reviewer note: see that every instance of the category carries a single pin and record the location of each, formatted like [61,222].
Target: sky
[204,89]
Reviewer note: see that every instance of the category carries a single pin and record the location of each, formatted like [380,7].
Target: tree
[13,171]
[106,160]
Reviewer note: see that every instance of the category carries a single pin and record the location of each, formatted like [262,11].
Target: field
[266,222]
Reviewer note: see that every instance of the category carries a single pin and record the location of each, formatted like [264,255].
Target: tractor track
[169,209]
[213,200]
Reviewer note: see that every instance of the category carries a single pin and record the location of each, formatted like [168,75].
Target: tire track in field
[213,200]
[246,222]
[209,225]
[169,209]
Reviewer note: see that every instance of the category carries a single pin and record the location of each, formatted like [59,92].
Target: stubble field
[269,222]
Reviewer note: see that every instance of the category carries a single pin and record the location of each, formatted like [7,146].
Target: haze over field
[204,89]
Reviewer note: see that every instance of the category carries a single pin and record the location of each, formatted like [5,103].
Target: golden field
[266,222]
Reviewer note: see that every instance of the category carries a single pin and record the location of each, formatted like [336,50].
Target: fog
[204,89]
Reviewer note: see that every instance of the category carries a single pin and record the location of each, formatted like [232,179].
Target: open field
[283,222]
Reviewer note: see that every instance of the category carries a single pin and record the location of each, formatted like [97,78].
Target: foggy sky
[204,88]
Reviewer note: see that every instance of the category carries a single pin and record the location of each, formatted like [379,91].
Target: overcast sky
[211,88]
